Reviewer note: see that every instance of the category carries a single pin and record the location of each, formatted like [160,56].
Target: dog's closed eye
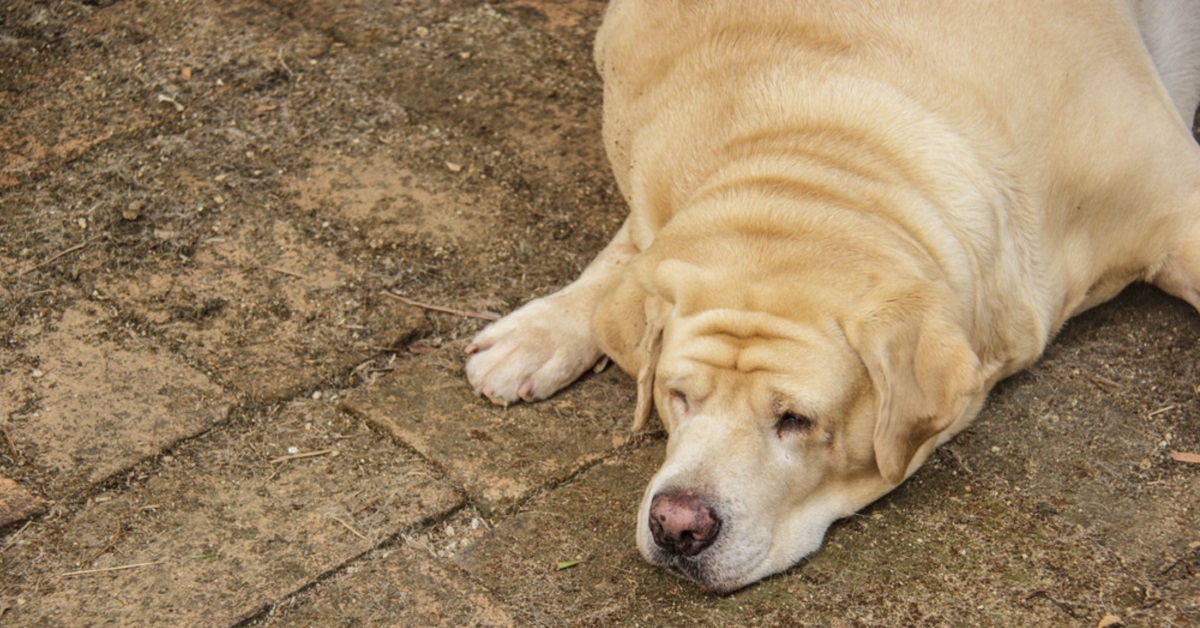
[792,423]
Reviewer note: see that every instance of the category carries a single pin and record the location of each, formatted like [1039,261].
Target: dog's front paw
[532,353]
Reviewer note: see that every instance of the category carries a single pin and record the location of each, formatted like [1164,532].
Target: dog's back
[1015,113]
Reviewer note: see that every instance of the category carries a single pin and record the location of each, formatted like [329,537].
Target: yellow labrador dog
[848,221]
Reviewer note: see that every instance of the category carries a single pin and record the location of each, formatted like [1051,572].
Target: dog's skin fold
[848,221]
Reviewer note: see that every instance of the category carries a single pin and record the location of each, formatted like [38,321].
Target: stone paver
[398,587]
[499,455]
[99,403]
[269,309]
[589,521]
[217,532]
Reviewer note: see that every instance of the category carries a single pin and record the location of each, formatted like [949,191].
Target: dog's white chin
[742,556]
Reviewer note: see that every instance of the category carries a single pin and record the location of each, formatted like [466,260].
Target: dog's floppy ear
[628,324]
[923,370]
[649,349]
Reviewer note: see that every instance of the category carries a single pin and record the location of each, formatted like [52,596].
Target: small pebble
[134,210]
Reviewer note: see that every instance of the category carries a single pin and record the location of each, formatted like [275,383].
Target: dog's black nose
[682,522]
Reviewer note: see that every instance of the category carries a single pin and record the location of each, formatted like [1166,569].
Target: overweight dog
[848,221]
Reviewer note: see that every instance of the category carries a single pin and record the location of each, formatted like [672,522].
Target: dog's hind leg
[1179,273]
[548,343]
[1177,270]
[1171,30]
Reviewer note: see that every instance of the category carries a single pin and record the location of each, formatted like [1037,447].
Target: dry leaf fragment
[1185,456]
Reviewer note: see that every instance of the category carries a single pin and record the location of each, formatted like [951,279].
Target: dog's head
[788,406]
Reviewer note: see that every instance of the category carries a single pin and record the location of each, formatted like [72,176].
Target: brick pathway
[213,415]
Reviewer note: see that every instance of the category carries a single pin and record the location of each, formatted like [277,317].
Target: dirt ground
[214,413]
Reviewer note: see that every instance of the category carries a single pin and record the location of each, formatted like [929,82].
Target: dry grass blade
[284,271]
[487,316]
[50,259]
[348,527]
[1105,384]
[306,454]
[12,447]
[111,544]
[13,541]
[106,569]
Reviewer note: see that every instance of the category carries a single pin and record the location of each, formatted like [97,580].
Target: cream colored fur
[865,214]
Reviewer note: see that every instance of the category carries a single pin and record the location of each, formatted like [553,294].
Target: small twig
[348,527]
[1063,606]
[1106,384]
[53,257]
[365,369]
[487,316]
[286,272]
[13,540]
[174,103]
[279,56]
[378,369]
[111,544]
[1168,566]
[8,438]
[386,349]
[121,568]
[1160,411]
[307,454]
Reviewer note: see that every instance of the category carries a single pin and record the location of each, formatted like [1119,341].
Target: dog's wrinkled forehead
[774,361]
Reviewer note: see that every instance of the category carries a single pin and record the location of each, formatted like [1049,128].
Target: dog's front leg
[548,343]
